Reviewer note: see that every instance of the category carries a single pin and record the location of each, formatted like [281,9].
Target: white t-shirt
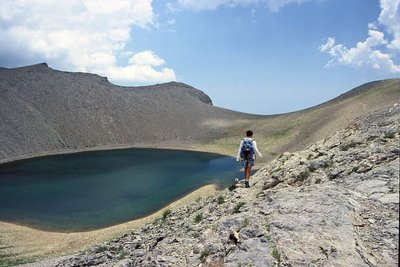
[254,146]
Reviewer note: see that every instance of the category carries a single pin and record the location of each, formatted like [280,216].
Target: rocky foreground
[334,204]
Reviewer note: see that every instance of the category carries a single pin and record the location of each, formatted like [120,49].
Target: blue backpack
[247,150]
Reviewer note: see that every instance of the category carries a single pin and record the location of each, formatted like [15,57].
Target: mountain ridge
[45,111]
[71,111]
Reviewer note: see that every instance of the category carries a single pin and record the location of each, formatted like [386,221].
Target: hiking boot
[246,184]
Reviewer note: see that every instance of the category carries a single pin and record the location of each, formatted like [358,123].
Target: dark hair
[249,133]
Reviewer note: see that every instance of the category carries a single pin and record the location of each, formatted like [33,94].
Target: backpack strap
[250,140]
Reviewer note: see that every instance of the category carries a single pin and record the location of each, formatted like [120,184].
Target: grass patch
[165,214]
[267,235]
[355,169]
[390,135]
[196,235]
[267,228]
[276,254]
[238,206]
[198,218]
[204,254]
[232,187]
[100,249]
[123,255]
[326,254]
[220,200]
[117,249]
[11,259]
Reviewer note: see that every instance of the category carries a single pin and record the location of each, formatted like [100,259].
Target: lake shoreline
[192,147]
[37,245]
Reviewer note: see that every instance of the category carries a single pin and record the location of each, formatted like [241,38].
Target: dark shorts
[248,162]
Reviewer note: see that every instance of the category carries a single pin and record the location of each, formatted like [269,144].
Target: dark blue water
[93,190]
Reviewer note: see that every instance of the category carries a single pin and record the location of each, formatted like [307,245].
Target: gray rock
[390,199]
[123,263]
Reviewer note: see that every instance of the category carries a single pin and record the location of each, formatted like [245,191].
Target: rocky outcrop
[335,203]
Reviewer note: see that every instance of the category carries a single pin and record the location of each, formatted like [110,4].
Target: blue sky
[254,56]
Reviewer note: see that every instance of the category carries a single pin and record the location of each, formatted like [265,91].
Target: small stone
[197,248]
[139,252]
[234,236]
[257,232]
[390,199]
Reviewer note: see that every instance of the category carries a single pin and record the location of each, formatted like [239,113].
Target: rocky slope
[335,203]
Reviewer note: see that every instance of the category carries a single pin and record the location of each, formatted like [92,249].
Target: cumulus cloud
[146,58]
[273,5]
[377,51]
[142,64]
[80,35]
[390,18]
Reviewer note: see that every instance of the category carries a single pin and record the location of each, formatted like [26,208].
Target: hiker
[247,156]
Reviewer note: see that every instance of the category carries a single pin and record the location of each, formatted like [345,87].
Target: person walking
[246,154]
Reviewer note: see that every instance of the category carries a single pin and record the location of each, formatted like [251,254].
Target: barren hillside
[48,111]
[45,111]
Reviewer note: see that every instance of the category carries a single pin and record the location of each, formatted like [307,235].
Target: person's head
[249,133]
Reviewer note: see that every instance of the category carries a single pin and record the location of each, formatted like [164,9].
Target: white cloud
[146,58]
[273,5]
[390,18]
[80,35]
[142,73]
[377,51]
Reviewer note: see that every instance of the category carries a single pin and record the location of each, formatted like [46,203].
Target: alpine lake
[93,190]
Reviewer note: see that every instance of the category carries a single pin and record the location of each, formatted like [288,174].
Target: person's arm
[256,149]
[240,149]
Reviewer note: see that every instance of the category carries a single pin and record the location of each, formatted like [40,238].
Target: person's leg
[248,173]
[245,167]
[250,163]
